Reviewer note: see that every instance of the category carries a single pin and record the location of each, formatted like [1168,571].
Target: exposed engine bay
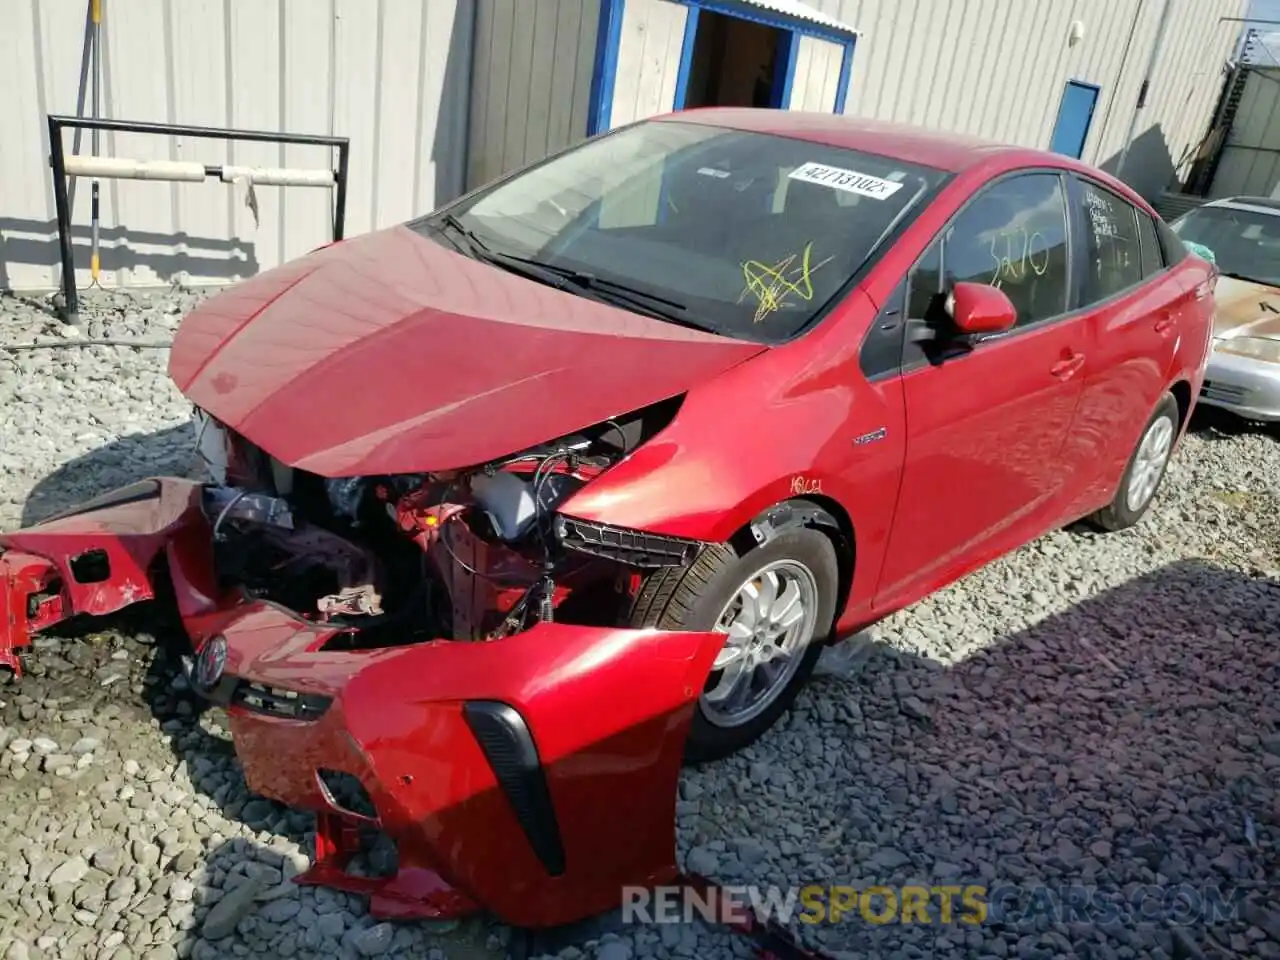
[475,554]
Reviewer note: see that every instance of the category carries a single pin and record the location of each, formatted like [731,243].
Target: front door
[985,424]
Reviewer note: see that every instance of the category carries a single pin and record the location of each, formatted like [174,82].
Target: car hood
[391,353]
[1246,309]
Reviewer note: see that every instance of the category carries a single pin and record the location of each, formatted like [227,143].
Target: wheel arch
[816,511]
[1181,390]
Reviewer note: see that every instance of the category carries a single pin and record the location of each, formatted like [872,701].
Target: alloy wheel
[768,624]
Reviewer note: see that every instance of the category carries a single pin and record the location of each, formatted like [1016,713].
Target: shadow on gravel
[1129,746]
[167,452]
[1214,423]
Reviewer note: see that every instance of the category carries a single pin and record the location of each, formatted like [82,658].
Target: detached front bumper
[533,776]
[102,556]
[1242,385]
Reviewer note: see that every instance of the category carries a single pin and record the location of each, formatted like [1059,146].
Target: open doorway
[736,63]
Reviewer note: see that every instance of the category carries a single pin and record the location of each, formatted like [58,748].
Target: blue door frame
[1075,116]
[609,37]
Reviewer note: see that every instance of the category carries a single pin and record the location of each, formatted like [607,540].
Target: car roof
[940,149]
[1266,205]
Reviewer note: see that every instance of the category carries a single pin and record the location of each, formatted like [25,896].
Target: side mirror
[977,308]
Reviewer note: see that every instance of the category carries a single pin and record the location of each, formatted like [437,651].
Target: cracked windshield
[743,234]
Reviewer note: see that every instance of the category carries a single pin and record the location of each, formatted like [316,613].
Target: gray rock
[614,950]
[70,871]
[226,914]
[373,941]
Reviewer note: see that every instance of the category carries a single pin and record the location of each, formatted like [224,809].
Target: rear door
[985,425]
[1135,306]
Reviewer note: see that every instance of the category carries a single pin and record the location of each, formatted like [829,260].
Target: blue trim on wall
[784,76]
[846,73]
[686,57]
[605,70]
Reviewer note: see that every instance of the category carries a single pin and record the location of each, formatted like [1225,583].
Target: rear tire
[772,603]
[1145,471]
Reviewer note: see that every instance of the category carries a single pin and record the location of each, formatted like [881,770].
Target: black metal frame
[62,205]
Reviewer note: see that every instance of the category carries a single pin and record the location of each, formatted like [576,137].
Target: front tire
[771,603]
[1145,471]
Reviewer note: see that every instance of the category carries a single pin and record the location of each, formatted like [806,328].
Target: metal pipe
[1124,62]
[192,171]
[82,90]
[207,133]
[116,168]
[108,167]
[1145,88]
[96,12]
[71,304]
[340,200]
[276,176]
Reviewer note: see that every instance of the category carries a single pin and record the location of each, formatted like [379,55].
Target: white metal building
[439,96]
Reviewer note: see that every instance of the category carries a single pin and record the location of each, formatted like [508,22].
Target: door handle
[1164,324]
[1065,369]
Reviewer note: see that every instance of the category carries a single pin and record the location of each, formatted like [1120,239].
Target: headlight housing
[1257,348]
[636,548]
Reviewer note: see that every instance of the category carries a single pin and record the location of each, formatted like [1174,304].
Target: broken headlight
[635,548]
[514,504]
[212,445]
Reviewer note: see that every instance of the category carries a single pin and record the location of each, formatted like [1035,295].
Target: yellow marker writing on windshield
[771,285]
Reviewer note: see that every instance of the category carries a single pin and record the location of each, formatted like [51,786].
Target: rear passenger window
[1149,246]
[1113,261]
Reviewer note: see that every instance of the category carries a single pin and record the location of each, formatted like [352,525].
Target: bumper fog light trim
[508,746]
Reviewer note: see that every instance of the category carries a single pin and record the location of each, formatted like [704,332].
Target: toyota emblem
[211,662]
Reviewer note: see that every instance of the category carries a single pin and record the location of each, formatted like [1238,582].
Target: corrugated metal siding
[817,75]
[391,74]
[648,59]
[532,81]
[997,68]
[1250,163]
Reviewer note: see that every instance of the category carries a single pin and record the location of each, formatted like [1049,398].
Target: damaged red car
[521,505]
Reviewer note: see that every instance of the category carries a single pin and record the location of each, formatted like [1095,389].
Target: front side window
[745,234]
[1012,236]
[1113,261]
[1245,243]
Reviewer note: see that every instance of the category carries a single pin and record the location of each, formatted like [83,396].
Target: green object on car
[1201,251]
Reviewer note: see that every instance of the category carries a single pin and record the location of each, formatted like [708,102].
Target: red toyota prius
[520,505]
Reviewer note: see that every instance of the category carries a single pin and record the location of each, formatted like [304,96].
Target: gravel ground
[1095,711]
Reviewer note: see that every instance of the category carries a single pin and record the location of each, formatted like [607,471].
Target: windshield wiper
[581,278]
[474,243]
[522,266]
[561,278]
[651,304]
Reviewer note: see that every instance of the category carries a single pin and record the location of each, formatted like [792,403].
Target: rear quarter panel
[1196,345]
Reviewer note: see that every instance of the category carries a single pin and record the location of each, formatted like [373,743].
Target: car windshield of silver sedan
[744,234]
[1245,243]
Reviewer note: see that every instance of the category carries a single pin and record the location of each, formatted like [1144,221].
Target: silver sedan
[1242,236]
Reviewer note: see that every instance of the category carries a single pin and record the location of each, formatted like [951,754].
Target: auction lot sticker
[850,181]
